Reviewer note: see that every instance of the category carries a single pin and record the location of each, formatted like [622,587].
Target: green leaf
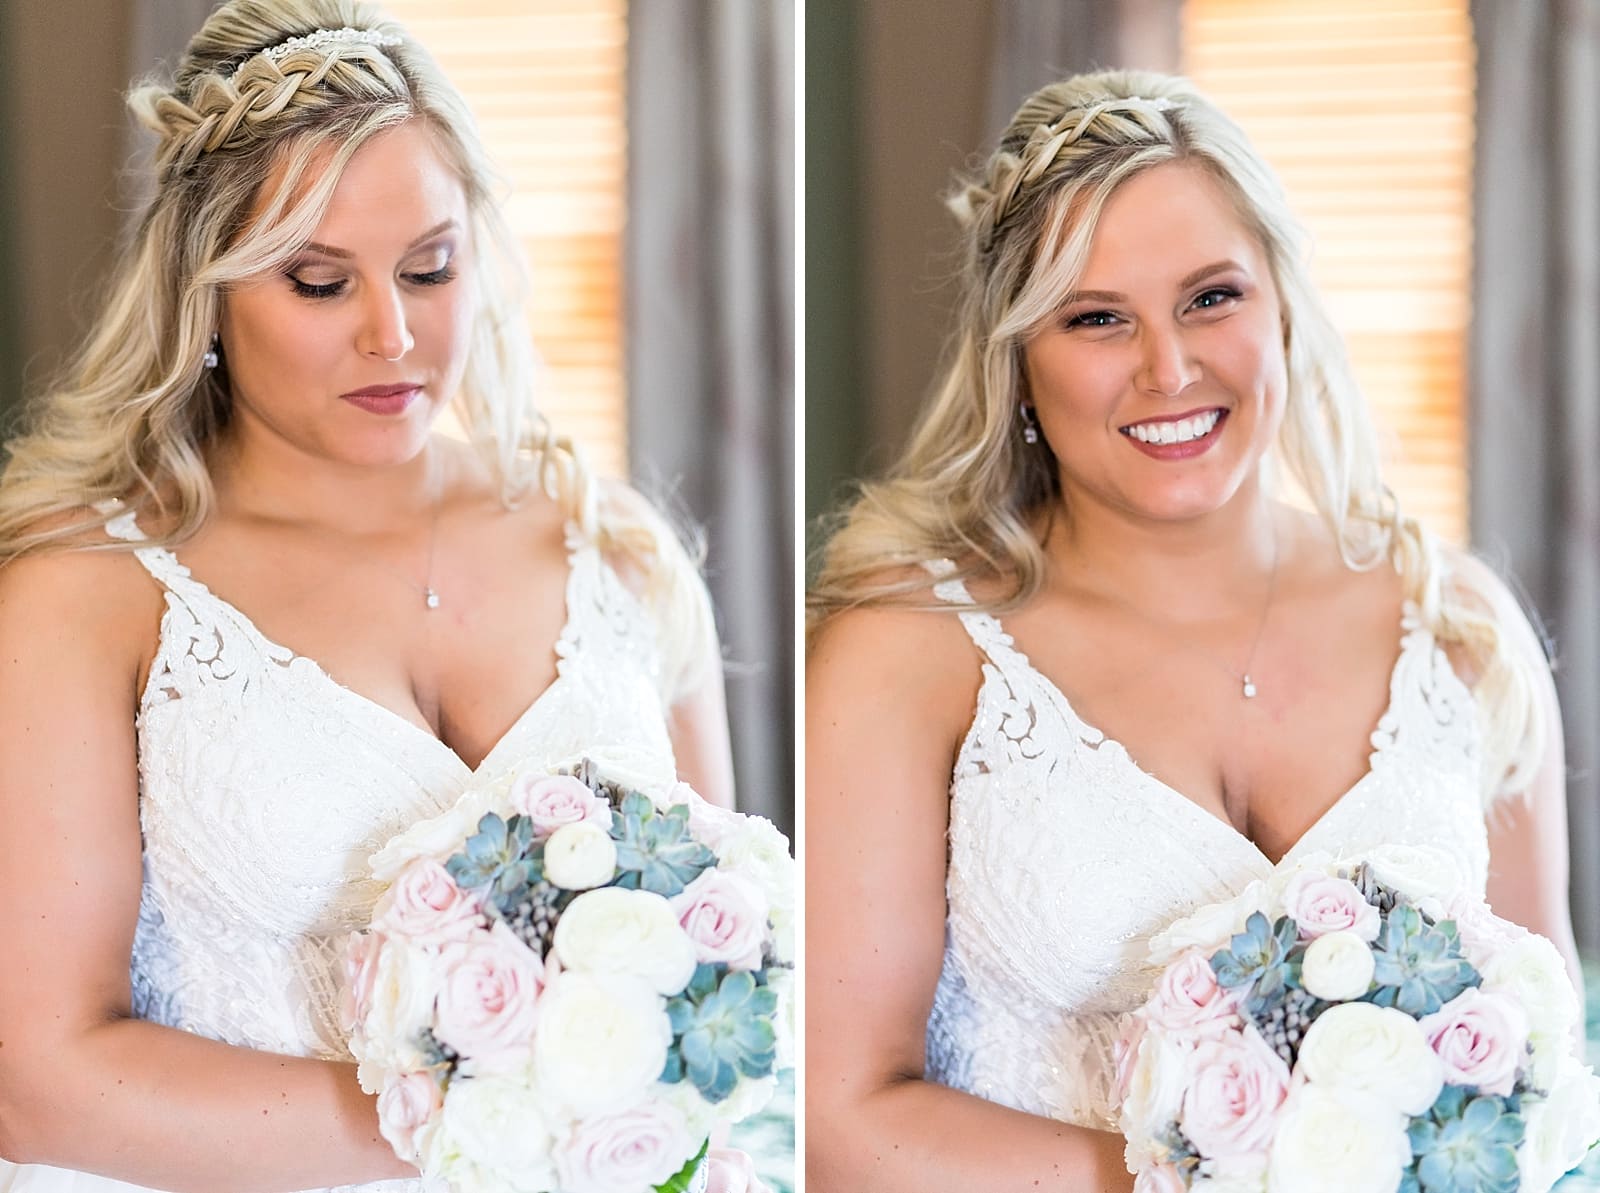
[681,1180]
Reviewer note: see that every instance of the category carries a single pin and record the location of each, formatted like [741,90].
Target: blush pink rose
[488,1000]
[1481,1037]
[425,906]
[1231,1099]
[407,1103]
[1160,1178]
[725,915]
[360,976]
[1483,934]
[1188,1001]
[551,801]
[623,1153]
[1322,903]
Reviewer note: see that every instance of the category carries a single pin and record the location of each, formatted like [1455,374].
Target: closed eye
[438,277]
[313,289]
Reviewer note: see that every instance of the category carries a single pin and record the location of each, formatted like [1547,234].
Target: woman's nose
[384,333]
[1167,368]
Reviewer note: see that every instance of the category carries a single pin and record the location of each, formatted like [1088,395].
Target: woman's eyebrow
[327,250]
[1189,279]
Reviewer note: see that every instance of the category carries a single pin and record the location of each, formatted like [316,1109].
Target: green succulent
[1466,1143]
[502,859]
[1260,955]
[722,1028]
[654,849]
[1418,966]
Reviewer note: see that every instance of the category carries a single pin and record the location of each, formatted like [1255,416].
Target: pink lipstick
[384,399]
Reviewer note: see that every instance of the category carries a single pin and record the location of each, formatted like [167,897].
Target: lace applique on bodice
[1065,858]
[265,785]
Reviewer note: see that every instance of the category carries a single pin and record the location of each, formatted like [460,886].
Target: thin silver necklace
[430,595]
[1247,685]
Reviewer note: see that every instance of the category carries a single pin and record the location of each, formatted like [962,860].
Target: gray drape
[1535,361]
[710,334]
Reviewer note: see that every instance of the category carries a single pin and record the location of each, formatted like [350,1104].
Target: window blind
[545,79]
[1365,109]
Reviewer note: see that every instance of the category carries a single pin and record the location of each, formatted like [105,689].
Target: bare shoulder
[911,666]
[86,595]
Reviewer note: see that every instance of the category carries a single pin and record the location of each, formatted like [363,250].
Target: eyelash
[438,277]
[1088,318]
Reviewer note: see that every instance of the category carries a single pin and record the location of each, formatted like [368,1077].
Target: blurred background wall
[647,147]
[1445,155]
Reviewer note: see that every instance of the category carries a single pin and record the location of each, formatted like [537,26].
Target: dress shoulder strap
[983,628]
[161,563]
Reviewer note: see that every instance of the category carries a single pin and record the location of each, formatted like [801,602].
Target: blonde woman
[258,616]
[1080,664]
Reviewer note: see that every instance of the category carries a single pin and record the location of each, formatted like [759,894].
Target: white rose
[1428,877]
[435,838]
[1338,967]
[1531,973]
[781,982]
[1326,1143]
[493,1134]
[1155,1092]
[602,1040]
[405,980]
[1210,928]
[1374,1053]
[1242,1174]
[618,931]
[701,1116]
[1561,1128]
[580,856]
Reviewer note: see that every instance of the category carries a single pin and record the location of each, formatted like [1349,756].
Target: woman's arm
[888,698]
[1528,846]
[82,1084]
[698,725]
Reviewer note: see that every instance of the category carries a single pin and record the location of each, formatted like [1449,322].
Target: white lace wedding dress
[265,785]
[1066,857]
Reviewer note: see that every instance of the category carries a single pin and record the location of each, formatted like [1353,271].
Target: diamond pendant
[431,599]
[1249,689]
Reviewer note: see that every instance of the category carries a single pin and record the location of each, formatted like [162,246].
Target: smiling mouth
[1182,430]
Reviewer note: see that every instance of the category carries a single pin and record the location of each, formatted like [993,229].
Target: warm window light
[545,79]
[1365,109]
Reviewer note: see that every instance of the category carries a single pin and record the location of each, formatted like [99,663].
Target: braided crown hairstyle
[968,488]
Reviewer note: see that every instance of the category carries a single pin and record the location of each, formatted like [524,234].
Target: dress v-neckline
[1411,632]
[290,659]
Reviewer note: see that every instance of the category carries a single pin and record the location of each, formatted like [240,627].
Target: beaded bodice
[265,785]
[1065,858]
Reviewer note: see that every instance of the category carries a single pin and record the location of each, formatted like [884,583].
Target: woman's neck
[1201,569]
[262,477]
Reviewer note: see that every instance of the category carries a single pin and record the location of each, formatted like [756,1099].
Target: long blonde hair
[136,408]
[967,486]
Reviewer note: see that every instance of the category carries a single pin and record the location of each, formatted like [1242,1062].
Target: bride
[258,616]
[1081,664]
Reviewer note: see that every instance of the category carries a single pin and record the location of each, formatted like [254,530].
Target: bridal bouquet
[569,983]
[1355,1027]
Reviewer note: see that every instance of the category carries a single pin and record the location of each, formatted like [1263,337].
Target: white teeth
[1182,431]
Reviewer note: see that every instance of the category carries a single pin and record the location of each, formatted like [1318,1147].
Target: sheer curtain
[1535,361]
[710,316]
